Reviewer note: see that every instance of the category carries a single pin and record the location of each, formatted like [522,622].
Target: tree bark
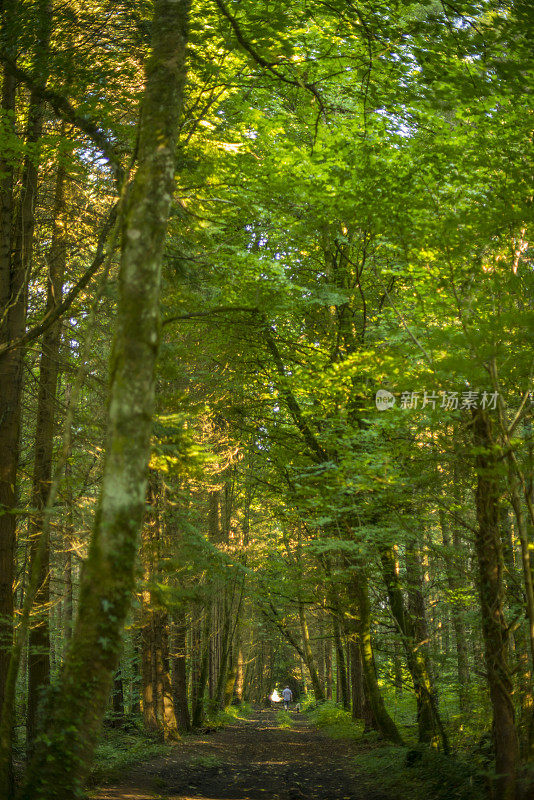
[179,672]
[360,595]
[429,722]
[494,628]
[39,638]
[341,665]
[166,715]
[308,655]
[201,673]
[11,323]
[61,762]
[148,669]
[356,676]
[117,698]
[462,660]
[16,248]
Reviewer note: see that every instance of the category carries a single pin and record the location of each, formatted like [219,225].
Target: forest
[266,383]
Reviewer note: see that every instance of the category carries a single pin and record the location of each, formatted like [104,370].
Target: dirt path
[249,760]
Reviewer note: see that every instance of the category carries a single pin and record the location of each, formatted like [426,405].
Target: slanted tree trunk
[489,553]
[61,762]
[308,655]
[429,722]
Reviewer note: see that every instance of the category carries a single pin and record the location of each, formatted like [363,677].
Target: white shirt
[287,694]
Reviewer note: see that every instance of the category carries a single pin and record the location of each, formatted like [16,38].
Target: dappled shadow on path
[249,760]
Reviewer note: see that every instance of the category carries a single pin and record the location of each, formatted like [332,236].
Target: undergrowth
[283,718]
[229,715]
[118,750]
[431,775]
[335,721]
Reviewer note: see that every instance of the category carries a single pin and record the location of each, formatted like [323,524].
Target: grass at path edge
[432,775]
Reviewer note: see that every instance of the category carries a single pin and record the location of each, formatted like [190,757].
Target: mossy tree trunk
[455,589]
[494,628]
[201,653]
[309,658]
[11,325]
[63,755]
[39,638]
[179,672]
[429,721]
[362,612]
[16,252]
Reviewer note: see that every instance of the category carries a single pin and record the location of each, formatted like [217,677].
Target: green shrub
[432,775]
[283,718]
[118,750]
[230,714]
[335,721]
[205,762]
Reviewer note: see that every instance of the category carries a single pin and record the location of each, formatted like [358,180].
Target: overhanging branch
[64,109]
[55,313]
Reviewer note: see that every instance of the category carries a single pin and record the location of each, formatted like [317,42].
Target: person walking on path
[275,697]
[287,694]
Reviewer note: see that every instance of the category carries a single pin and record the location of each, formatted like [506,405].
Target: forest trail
[248,760]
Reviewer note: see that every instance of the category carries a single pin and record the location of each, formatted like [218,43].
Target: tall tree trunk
[39,639]
[341,665]
[328,667]
[201,674]
[60,762]
[117,698]
[454,584]
[11,326]
[16,248]
[148,669]
[136,681]
[231,677]
[224,640]
[240,676]
[166,715]
[519,644]
[356,677]
[489,554]
[414,632]
[308,655]
[360,595]
[525,543]
[429,722]
[179,672]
